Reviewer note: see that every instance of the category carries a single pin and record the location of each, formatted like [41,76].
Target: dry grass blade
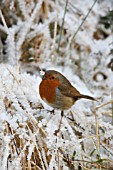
[31,32]
[4,23]
[62,25]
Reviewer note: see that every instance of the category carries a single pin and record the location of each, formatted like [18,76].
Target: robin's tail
[87,97]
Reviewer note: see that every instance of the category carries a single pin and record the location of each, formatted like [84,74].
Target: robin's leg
[56,131]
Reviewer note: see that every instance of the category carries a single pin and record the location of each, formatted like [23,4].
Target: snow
[27,127]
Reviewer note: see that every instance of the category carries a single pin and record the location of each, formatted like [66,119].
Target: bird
[57,91]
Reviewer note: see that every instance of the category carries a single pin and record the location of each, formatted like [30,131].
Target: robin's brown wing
[73,92]
[69,91]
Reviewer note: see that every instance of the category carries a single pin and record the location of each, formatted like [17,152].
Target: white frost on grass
[27,127]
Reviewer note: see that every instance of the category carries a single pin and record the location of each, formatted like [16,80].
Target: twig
[14,141]
[98,107]
[55,32]
[107,149]
[72,38]
[62,25]
[2,29]
[84,20]
[111,21]
[112,111]
[93,163]
[4,23]
[97,132]
[97,125]
[54,38]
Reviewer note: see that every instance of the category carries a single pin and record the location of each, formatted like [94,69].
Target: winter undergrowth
[36,35]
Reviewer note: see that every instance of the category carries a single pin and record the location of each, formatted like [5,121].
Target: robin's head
[53,75]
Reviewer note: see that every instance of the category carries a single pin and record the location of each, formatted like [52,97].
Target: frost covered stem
[62,25]
[112,113]
[14,142]
[97,125]
[26,27]
[97,132]
[4,23]
[84,20]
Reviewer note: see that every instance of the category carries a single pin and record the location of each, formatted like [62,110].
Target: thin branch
[98,107]
[54,39]
[112,112]
[13,139]
[73,36]
[62,25]
[94,163]
[97,125]
[4,23]
[107,149]
[84,20]
[2,29]
[97,133]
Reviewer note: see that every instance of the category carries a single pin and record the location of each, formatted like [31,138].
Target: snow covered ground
[36,38]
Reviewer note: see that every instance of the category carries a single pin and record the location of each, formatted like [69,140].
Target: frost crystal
[38,36]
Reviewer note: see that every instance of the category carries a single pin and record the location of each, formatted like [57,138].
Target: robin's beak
[44,78]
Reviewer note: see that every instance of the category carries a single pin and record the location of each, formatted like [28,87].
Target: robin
[56,90]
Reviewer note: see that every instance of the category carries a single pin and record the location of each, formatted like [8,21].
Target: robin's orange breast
[47,90]
[50,93]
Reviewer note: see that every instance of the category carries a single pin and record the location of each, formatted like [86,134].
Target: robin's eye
[52,77]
